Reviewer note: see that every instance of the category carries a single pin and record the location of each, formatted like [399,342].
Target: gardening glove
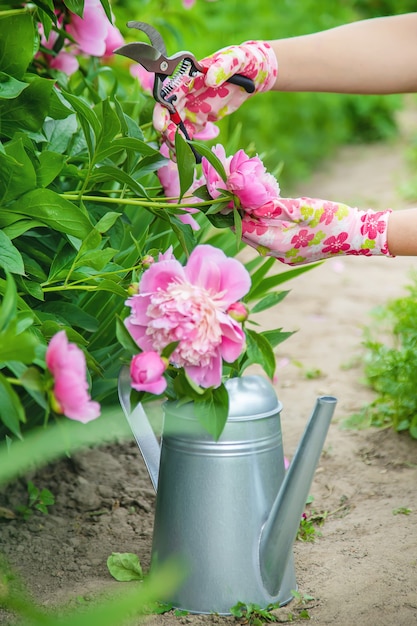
[302,230]
[204,99]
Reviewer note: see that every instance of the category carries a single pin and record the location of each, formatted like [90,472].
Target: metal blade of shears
[148,56]
[154,36]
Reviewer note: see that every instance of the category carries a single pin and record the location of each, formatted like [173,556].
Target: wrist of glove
[207,98]
[303,230]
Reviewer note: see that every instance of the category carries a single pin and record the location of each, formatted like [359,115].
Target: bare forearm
[376,56]
[402,233]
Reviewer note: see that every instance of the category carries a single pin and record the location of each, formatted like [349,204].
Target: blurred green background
[292,130]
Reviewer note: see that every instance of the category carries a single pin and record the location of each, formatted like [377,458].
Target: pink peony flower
[146,372]
[189,305]
[64,62]
[66,362]
[146,79]
[247,179]
[93,35]
[113,40]
[250,182]
[90,31]
[215,183]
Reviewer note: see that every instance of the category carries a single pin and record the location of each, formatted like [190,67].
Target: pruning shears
[169,70]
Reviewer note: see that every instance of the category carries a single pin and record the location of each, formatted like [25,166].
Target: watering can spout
[140,426]
[281,527]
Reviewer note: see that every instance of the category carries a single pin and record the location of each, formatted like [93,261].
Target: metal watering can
[228,508]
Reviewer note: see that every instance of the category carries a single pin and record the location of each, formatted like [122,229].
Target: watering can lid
[250,396]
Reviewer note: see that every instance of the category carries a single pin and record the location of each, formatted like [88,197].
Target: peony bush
[96,217]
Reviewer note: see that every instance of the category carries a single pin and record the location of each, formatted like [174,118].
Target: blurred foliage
[293,129]
[376,8]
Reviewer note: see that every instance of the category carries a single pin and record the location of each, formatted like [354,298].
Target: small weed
[38,500]
[253,614]
[310,373]
[402,510]
[312,519]
[313,374]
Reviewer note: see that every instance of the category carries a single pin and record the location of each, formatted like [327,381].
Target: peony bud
[238,312]
[147,372]
[147,261]
[133,289]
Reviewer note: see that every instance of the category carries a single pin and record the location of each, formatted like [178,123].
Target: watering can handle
[140,426]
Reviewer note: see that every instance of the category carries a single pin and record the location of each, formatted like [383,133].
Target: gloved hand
[302,230]
[207,98]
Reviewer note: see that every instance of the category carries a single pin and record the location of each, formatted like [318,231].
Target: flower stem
[140,202]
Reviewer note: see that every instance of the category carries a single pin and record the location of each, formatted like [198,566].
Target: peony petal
[160,275]
[233,340]
[209,375]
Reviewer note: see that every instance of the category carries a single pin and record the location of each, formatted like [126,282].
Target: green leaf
[112,287]
[257,275]
[17,347]
[88,119]
[107,9]
[28,111]
[50,165]
[17,174]
[276,336]
[60,132]
[11,410]
[10,87]
[271,282]
[124,566]
[169,349]
[211,158]
[130,144]
[19,227]
[212,410]
[260,351]
[183,232]
[16,43]
[107,221]
[72,314]
[58,108]
[8,306]
[54,211]
[10,257]
[110,126]
[185,163]
[110,173]
[237,223]
[125,338]
[219,220]
[75,6]
[269,301]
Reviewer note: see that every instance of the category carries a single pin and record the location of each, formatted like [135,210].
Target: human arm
[402,232]
[374,56]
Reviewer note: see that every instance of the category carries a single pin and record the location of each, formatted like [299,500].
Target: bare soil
[363,566]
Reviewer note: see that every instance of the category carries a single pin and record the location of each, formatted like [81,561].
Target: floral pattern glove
[202,100]
[303,230]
